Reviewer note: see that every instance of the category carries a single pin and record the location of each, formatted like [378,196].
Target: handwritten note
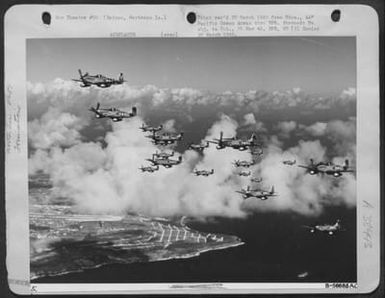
[367,224]
[13,125]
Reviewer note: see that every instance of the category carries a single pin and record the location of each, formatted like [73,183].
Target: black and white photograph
[192,149]
[154,160]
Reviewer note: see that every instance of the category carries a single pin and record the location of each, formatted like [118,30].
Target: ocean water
[277,249]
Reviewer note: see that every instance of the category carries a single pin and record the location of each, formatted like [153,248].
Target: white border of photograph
[24,22]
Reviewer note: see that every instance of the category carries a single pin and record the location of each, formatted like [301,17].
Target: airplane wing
[77,80]
[305,167]
[97,113]
[348,171]
[307,227]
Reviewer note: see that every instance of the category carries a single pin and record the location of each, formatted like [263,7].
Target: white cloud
[285,128]
[317,129]
[348,93]
[249,119]
[169,125]
[55,128]
[105,178]
[108,180]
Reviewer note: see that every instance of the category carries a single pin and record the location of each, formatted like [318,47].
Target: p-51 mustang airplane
[163,154]
[244,173]
[165,138]
[256,151]
[257,193]
[149,169]
[147,128]
[203,172]
[98,80]
[289,162]
[198,147]
[166,162]
[256,179]
[243,163]
[113,113]
[328,168]
[235,143]
[329,229]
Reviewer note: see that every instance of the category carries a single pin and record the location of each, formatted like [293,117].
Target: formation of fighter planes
[163,158]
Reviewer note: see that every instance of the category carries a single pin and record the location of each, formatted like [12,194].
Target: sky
[318,65]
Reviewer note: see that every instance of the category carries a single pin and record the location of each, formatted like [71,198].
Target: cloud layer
[95,162]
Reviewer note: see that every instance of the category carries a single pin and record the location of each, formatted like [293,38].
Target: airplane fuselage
[329,229]
[257,180]
[258,194]
[164,155]
[244,173]
[197,147]
[150,129]
[166,139]
[327,168]
[112,113]
[204,173]
[149,169]
[165,162]
[98,80]
[245,164]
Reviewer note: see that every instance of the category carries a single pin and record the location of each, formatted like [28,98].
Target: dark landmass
[63,242]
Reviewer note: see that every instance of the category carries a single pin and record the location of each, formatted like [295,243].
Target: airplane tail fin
[346,165]
[134,111]
[272,190]
[121,78]
[92,109]
[221,136]
[212,171]
[80,73]
[311,161]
